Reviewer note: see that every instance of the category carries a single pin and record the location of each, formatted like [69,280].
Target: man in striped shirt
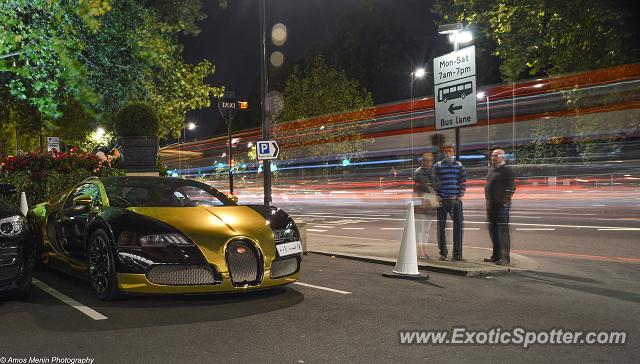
[451,184]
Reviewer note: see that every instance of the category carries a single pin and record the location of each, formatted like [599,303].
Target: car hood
[211,227]
[7,209]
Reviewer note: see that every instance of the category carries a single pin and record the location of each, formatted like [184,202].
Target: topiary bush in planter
[137,126]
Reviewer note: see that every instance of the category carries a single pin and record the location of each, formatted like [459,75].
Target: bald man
[498,191]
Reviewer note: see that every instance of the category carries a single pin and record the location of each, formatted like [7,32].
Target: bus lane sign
[455,89]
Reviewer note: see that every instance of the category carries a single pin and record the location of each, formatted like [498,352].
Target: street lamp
[188,126]
[457,35]
[419,73]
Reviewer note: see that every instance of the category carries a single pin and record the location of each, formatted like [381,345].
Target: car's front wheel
[102,271]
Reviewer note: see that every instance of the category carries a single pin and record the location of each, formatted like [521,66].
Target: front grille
[244,263]
[284,267]
[176,274]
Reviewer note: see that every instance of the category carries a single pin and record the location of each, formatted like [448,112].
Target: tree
[375,50]
[101,54]
[136,56]
[543,37]
[37,55]
[320,90]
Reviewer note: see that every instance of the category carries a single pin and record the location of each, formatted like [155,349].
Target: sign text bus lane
[455,89]
[456,103]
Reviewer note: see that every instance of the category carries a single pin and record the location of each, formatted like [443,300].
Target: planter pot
[139,154]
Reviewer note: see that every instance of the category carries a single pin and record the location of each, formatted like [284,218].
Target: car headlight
[11,226]
[129,239]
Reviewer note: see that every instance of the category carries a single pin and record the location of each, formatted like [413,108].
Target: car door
[71,222]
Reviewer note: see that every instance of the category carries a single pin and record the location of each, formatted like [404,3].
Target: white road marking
[391,228]
[317,230]
[352,228]
[69,301]
[535,229]
[621,229]
[484,222]
[322,288]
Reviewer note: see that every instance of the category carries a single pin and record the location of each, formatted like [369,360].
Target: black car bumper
[13,257]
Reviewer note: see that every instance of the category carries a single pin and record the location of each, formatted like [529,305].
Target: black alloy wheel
[102,275]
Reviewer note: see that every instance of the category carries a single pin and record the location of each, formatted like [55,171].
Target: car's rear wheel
[102,272]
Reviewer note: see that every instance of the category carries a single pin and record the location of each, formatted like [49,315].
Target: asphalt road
[345,311]
[595,226]
[357,322]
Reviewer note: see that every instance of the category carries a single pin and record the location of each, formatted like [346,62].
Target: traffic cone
[24,207]
[407,263]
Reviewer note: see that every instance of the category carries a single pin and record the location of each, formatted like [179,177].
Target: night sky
[230,39]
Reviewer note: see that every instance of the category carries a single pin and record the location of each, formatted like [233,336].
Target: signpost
[267,149]
[53,143]
[455,90]
[228,106]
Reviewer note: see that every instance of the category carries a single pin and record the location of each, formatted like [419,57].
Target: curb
[464,272]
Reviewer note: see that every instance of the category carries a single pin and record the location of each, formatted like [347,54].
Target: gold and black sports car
[165,235]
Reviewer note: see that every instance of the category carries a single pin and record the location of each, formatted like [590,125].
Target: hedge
[45,176]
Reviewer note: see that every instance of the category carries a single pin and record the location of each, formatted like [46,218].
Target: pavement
[386,251]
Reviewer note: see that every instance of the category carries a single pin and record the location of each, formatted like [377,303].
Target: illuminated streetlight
[457,35]
[191,125]
[419,73]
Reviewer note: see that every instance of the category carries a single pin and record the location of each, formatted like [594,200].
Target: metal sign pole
[266,164]
[230,151]
[456,47]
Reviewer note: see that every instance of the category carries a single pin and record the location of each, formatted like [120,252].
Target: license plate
[285,249]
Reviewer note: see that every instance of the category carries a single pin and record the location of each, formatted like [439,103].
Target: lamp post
[188,126]
[456,36]
[419,73]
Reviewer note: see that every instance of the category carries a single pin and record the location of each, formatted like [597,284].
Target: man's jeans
[452,208]
[498,218]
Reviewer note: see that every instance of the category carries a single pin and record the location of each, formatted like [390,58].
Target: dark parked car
[16,248]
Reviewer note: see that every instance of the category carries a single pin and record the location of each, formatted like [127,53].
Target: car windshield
[162,192]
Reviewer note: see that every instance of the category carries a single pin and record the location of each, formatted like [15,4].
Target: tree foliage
[321,90]
[373,48]
[100,55]
[542,37]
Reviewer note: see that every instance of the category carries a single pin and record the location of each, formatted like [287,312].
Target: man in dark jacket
[498,191]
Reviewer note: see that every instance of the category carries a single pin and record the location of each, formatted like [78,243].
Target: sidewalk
[386,252]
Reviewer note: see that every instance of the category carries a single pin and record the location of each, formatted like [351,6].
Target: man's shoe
[443,257]
[490,260]
[502,262]
[458,259]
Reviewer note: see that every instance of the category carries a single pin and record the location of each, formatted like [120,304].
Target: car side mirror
[81,204]
[7,189]
[233,198]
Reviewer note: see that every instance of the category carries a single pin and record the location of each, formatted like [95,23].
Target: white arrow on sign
[267,149]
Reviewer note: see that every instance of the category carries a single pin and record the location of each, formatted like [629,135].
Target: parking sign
[267,149]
